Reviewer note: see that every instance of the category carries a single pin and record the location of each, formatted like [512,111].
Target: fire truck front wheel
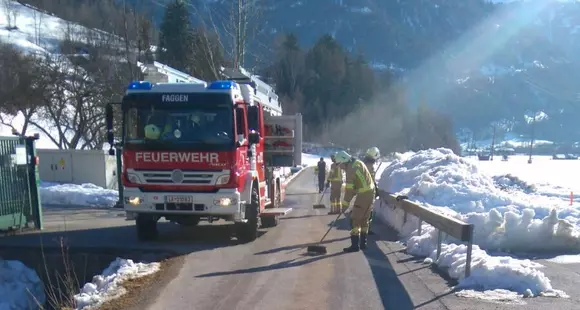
[146,227]
[248,231]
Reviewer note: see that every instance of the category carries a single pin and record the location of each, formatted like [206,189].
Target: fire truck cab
[205,151]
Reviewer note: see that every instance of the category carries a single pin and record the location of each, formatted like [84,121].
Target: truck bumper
[224,203]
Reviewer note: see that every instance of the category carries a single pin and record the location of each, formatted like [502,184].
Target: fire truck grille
[179,177]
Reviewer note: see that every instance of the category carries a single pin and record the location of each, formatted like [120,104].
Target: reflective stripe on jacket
[358,180]
[335,174]
[370,166]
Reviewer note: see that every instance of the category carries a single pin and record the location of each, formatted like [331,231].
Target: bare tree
[241,29]
[20,88]
[239,26]
[37,18]
[11,13]
[208,55]
[80,88]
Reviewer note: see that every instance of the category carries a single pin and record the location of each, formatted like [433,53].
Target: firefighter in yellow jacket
[335,184]
[359,183]
[371,157]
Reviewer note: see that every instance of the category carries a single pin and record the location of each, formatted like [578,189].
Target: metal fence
[19,182]
[443,223]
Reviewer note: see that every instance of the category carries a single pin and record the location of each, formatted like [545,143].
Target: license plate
[179,199]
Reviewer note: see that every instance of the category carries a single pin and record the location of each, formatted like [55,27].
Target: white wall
[78,167]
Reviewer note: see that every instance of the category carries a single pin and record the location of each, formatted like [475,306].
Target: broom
[320,249]
[320,205]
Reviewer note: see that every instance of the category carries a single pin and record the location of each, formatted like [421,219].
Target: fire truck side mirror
[254,137]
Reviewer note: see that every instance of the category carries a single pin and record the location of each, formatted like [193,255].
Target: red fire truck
[206,151]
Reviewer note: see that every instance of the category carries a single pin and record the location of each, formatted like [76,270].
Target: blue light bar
[143,85]
[223,85]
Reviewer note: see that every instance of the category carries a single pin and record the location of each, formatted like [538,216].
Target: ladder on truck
[263,91]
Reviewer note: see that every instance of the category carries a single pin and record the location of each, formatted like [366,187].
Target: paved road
[274,273]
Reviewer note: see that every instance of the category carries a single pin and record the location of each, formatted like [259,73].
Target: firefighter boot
[354,247]
[363,241]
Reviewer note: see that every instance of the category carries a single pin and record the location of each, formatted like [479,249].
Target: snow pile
[401,156]
[510,182]
[20,287]
[513,220]
[109,284]
[85,195]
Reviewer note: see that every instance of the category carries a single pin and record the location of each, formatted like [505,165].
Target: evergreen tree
[176,48]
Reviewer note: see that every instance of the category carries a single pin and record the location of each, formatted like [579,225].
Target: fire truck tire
[146,227]
[270,221]
[248,232]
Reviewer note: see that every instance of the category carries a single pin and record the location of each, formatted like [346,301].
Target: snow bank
[108,285]
[86,195]
[20,286]
[506,213]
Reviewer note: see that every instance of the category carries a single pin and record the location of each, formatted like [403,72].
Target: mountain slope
[480,61]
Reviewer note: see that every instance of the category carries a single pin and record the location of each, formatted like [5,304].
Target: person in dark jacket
[321,174]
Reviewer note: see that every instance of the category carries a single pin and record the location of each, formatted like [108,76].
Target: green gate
[19,183]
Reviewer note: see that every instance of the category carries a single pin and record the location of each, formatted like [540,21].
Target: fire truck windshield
[180,125]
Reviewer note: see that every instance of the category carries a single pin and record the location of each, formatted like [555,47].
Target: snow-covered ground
[108,285]
[510,140]
[20,286]
[526,211]
[34,31]
[553,178]
[88,195]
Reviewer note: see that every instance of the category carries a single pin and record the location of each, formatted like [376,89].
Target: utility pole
[492,143]
[241,22]
[532,138]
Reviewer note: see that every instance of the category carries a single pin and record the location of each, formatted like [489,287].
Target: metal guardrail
[443,223]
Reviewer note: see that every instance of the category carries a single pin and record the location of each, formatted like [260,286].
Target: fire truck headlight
[135,201]
[222,179]
[224,202]
[133,178]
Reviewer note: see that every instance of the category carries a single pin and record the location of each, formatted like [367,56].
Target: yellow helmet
[373,153]
[152,132]
[342,157]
